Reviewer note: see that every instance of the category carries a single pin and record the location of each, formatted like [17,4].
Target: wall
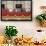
[27,28]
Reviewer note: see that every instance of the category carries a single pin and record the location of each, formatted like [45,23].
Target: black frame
[17,20]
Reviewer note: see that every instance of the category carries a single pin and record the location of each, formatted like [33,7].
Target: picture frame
[16,10]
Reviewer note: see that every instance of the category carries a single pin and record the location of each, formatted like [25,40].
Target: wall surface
[27,28]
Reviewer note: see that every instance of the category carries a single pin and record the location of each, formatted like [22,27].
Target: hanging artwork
[20,10]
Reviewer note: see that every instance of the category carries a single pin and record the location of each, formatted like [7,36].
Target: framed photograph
[12,10]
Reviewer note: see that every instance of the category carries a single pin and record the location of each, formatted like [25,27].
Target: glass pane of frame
[20,10]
